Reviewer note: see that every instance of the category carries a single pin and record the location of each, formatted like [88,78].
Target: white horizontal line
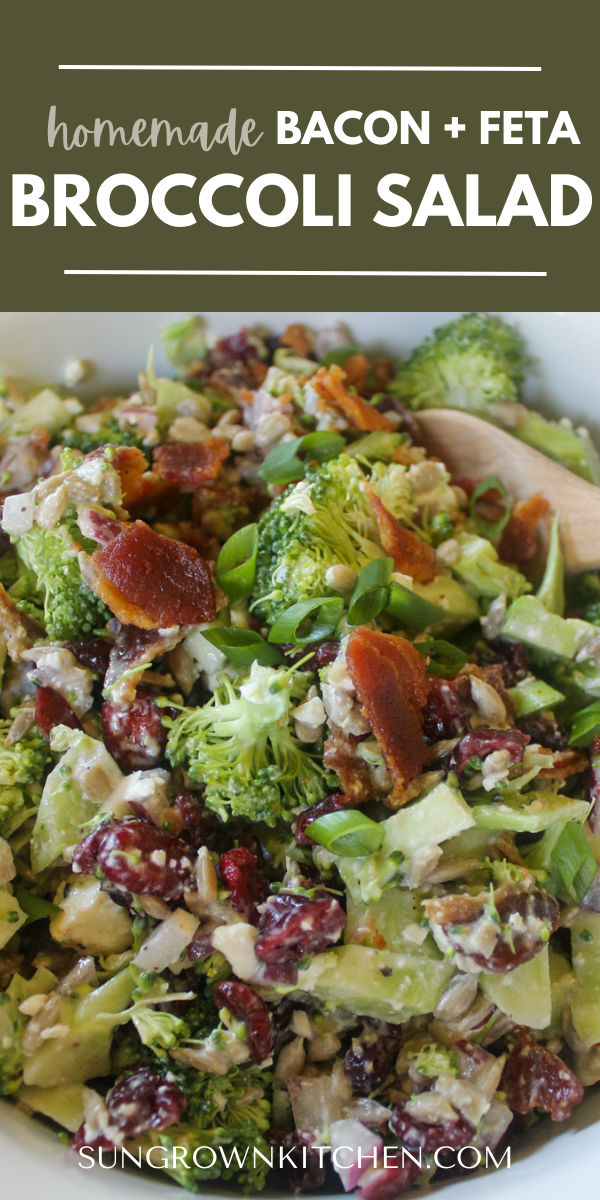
[177,271]
[267,67]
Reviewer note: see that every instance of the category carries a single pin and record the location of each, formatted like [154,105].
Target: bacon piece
[412,556]
[390,680]
[153,581]
[14,627]
[190,463]
[329,383]
[565,763]
[296,337]
[132,650]
[340,755]
[139,485]
[357,371]
[131,465]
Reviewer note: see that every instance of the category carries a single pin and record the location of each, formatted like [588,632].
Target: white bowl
[554,1160]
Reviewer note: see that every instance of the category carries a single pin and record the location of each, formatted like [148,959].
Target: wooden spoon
[473,448]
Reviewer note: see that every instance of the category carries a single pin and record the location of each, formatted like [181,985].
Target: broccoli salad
[299,767]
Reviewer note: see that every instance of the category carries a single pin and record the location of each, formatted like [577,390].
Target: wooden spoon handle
[473,448]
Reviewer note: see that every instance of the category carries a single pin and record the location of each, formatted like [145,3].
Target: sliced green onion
[35,907]
[490,529]
[236,564]
[338,355]
[586,723]
[308,621]
[572,858]
[348,833]
[287,462]
[444,658]
[294,364]
[370,593]
[243,646]
[410,609]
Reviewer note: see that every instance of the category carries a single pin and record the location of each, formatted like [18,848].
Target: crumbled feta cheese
[493,620]
[90,920]
[236,943]
[447,552]
[75,371]
[17,514]
[309,717]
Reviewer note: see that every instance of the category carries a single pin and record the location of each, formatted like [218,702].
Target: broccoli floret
[433,1060]
[22,768]
[50,586]
[108,434]
[468,364]
[319,523]
[476,362]
[231,1113]
[241,746]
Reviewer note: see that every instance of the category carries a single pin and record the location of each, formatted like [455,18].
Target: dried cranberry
[534,1078]
[248,886]
[302,1165]
[292,926]
[92,653]
[428,1138]
[135,736]
[523,921]
[52,709]
[512,659]
[367,1064]
[243,1002]
[137,857]
[385,1183]
[323,653]
[483,741]
[330,804]
[518,543]
[143,1101]
[81,1138]
[199,824]
[546,731]
[445,715]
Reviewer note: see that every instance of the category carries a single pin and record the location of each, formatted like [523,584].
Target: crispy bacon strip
[390,680]
[13,627]
[357,371]
[131,651]
[340,756]
[190,463]
[296,337]
[131,465]
[152,581]
[329,383]
[410,553]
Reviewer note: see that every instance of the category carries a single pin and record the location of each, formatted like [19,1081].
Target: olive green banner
[387,155]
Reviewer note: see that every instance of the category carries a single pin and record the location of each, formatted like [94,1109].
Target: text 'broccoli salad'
[299,766]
